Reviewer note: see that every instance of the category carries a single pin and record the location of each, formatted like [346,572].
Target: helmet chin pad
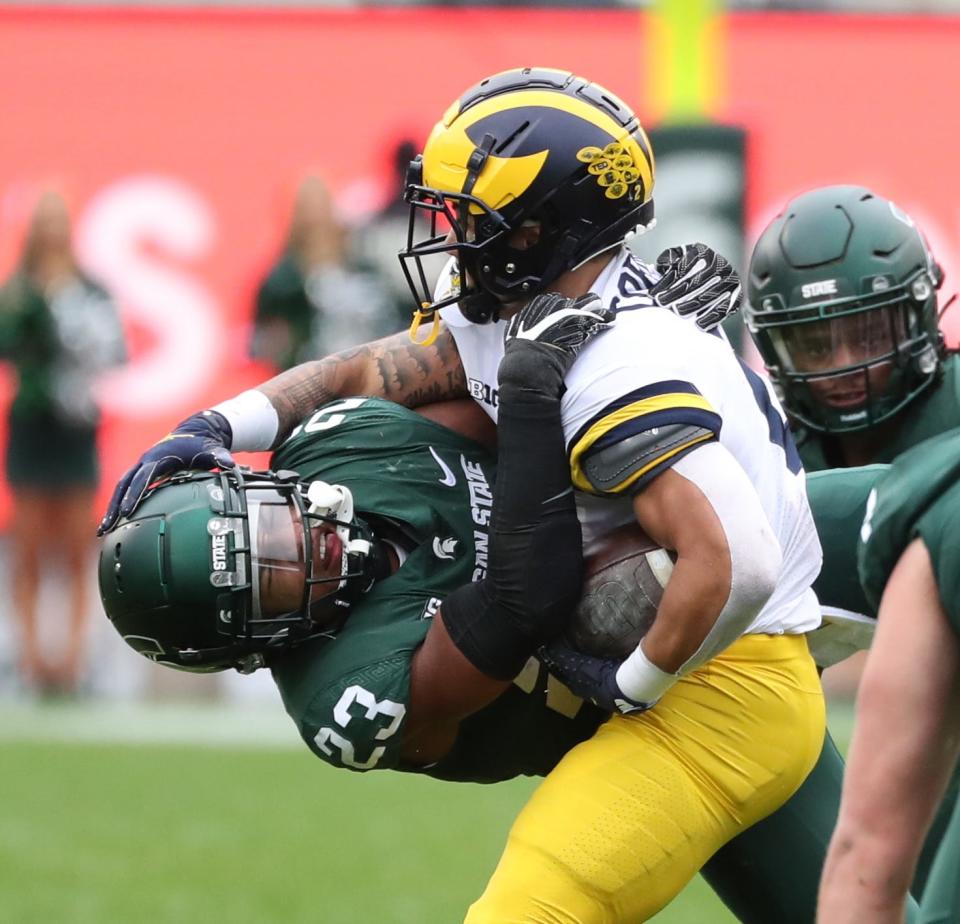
[335,502]
[330,500]
[479,307]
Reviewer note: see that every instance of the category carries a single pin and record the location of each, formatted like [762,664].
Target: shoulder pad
[630,464]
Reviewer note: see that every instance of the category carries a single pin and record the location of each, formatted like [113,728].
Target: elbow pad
[755,554]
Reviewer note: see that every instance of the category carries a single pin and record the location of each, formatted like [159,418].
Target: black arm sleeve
[536,560]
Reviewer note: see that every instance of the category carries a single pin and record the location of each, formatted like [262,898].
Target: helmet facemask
[529,175]
[458,225]
[308,556]
[219,570]
[850,364]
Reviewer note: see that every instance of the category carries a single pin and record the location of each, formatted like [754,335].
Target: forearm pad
[536,560]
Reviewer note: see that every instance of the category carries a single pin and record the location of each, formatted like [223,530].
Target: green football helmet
[842,304]
[218,570]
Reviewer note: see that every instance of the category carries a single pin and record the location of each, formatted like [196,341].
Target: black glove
[593,679]
[696,282]
[543,339]
[200,442]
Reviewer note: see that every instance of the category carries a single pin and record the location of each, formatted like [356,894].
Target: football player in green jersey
[907,738]
[843,307]
[842,293]
[232,571]
[379,486]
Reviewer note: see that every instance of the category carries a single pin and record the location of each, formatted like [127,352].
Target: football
[625,575]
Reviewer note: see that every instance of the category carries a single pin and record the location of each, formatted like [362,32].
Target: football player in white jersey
[532,181]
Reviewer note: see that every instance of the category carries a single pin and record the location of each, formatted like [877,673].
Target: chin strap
[422,314]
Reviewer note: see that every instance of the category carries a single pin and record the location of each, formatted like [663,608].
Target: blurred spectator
[59,329]
[377,241]
[316,299]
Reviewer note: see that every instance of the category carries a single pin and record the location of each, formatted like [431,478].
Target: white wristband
[640,679]
[253,421]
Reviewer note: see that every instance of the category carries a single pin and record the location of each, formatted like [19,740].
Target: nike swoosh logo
[449,479]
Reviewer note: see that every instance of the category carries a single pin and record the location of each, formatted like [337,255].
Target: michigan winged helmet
[527,148]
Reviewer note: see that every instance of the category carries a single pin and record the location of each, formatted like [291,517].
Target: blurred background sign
[700,194]
[180,134]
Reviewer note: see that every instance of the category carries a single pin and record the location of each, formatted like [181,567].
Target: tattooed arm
[394,368]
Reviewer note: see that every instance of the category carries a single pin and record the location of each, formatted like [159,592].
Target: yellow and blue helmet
[531,146]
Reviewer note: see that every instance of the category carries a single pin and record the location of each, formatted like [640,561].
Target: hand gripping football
[626,573]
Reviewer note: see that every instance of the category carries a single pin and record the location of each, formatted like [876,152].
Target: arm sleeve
[536,559]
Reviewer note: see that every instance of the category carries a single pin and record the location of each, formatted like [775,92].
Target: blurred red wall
[179,135]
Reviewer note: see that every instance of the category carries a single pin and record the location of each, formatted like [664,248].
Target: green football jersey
[934,412]
[431,490]
[838,501]
[918,497]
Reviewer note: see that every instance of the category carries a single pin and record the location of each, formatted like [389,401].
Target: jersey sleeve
[938,530]
[838,501]
[918,497]
[629,441]
[354,720]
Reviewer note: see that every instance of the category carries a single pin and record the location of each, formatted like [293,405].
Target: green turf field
[145,830]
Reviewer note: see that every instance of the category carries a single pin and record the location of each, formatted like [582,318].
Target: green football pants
[771,872]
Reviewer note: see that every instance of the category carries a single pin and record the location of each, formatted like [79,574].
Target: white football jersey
[653,369]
